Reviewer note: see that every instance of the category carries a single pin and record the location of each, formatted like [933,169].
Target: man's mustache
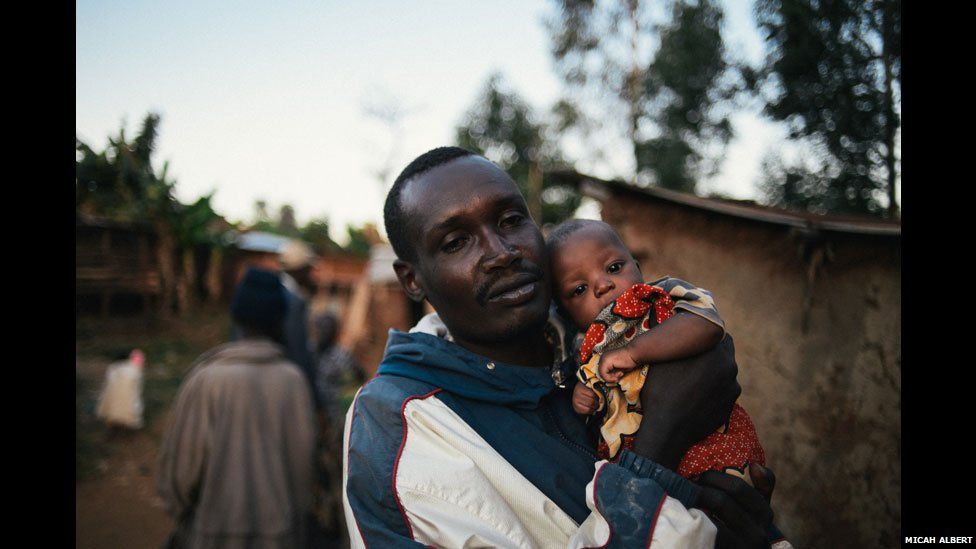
[485,289]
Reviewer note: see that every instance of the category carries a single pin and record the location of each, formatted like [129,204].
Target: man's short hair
[396,225]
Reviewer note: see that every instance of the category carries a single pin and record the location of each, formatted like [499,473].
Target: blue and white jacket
[448,448]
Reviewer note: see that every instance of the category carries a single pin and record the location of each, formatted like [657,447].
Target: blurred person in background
[296,260]
[120,399]
[293,263]
[236,463]
[337,374]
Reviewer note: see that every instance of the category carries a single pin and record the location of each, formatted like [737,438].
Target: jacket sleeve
[371,441]
[689,298]
[184,451]
[638,503]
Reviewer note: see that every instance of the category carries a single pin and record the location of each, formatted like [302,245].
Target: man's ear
[407,275]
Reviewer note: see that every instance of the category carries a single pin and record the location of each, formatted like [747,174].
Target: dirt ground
[115,502]
[119,507]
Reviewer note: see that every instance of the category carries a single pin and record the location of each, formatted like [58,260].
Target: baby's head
[590,267]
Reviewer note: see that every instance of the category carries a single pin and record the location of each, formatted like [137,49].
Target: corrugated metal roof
[602,190]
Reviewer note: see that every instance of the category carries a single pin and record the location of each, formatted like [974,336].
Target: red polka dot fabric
[631,305]
[730,451]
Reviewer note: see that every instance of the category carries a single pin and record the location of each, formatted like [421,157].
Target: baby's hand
[584,400]
[614,364]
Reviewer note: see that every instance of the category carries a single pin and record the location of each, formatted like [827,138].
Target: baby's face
[590,269]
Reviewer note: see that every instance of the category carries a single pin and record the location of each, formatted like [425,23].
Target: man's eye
[454,244]
[512,220]
[579,290]
[615,267]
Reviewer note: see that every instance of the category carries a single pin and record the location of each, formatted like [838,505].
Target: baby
[630,325]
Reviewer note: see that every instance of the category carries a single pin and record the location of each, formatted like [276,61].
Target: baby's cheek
[617,292]
[587,314]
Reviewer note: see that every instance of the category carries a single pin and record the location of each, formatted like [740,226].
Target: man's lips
[517,296]
[517,289]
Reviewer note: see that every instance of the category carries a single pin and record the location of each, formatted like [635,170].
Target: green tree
[359,242]
[316,233]
[262,219]
[687,85]
[500,126]
[120,182]
[195,225]
[669,98]
[600,51]
[833,74]
[287,225]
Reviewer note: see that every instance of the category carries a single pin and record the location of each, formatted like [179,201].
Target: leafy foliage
[316,233]
[684,86]
[119,181]
[359,242]
[500,126]
[197,223]
[666,99]
[833,74]
[286,221]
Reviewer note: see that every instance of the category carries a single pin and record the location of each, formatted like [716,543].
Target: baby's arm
[682,336]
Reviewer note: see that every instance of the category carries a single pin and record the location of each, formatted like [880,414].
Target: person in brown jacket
[236,464]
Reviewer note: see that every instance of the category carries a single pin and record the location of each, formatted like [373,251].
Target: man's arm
[683,402]
[638,503]
[372,438]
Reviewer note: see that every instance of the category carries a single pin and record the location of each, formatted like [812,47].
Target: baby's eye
[615,267]
[579,290]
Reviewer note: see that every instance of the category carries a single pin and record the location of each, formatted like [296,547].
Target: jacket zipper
[566,440]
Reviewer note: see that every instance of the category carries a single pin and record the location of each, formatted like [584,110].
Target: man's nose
[499,253]
[602,287]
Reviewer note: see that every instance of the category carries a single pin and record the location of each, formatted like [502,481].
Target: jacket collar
[428,354]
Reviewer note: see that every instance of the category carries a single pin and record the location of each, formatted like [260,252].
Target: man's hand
[614,364]
[684,401]
[585,400]
[740,512]
[763,479]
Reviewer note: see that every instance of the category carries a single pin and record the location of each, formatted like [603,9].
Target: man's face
[481,260]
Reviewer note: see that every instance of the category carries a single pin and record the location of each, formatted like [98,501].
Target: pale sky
[265,100]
